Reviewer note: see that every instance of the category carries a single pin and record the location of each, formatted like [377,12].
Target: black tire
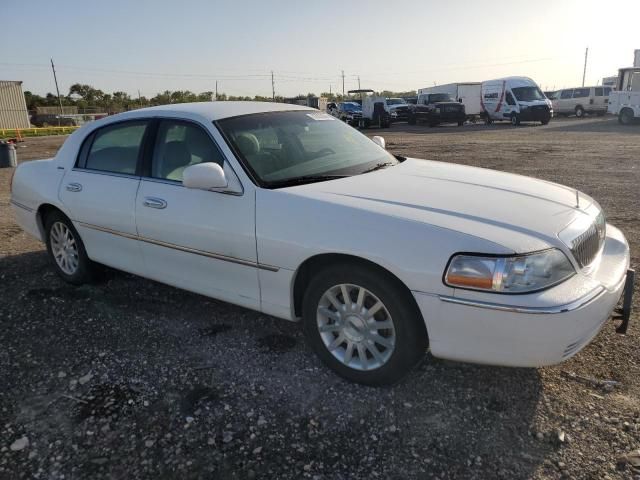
[85,270]
[515,119]
[487,119]
[410,333]
[579,111]
[545,121]
[460,124]
[625,117]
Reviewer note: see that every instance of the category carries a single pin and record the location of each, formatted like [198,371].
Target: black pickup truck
[436,108]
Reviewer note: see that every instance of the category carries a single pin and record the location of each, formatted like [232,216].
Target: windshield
[395,101]
[351,107]
[528,94]
[440,97]
[288,148]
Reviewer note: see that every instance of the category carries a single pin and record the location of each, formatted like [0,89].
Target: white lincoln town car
[286,210]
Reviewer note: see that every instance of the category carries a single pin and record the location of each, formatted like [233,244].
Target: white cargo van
[517,99]
[466,93]
[578,101]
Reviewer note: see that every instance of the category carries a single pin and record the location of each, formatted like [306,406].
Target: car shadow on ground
[178,369]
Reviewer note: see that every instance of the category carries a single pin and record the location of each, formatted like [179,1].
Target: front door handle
[74,187]
[153,202]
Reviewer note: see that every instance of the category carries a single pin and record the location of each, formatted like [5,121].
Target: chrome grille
[586,246]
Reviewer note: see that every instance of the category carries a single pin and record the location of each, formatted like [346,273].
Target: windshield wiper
[379,166]
[304,179]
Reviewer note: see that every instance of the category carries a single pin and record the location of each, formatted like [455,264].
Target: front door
[99,194]
[198,240]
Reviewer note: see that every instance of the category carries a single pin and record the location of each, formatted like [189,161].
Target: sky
[152,46]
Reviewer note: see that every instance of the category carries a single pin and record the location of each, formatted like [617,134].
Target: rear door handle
[153,202]
[74,187]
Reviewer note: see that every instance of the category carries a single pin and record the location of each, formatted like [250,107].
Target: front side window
[178,145]
[288,148]
[116,148]
[528,94]
[510,100]
[566,94]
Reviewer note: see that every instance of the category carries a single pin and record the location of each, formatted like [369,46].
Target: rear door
[99,193]
[565,102]
[202,241]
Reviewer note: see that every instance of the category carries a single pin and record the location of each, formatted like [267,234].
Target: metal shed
[13,108]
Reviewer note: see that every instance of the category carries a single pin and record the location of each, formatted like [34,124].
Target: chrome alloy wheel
[64,248]
[356,327]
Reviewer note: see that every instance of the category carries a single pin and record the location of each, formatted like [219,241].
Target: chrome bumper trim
[575,305]
[173,246]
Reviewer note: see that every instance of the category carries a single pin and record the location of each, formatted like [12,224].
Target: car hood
[520,213]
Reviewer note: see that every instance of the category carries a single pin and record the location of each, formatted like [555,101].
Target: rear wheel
[626,116]
[487,119]
[579,111]
[362,324]
[515,119]
[66,250]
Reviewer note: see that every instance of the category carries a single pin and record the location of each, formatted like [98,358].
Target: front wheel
[66,250]
[515,119]
[363,325]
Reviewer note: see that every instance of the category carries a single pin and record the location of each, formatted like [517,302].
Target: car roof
[217,110]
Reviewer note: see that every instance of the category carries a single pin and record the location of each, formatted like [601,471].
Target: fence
[19,133]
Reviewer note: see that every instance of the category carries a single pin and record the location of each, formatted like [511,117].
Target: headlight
[509,274]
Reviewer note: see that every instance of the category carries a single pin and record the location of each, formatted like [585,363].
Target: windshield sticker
[320,116]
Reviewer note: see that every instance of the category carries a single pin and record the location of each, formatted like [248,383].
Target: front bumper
[536,114]
[532,330]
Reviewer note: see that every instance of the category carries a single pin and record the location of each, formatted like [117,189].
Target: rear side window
[566,94]
[178,145]
[116,148]
[598,91]
[581,92]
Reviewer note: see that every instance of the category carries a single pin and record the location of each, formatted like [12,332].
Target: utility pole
[273,88]
[216,90]
[358,82]
[343,85]
[55,79]
[139,99]
[584,72]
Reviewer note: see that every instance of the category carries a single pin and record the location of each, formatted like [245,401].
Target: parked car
[349,112]
[286,210]
[580,101]
[52,120]
[516,99]
[436,108]
[398,108]
[467,93]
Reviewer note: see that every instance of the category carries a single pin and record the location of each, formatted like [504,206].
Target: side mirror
[378,140]
[204,176]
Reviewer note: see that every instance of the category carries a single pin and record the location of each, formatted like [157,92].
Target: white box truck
[515,99]
[625,100]
[467,93]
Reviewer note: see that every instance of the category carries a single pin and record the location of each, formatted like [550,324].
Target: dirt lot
[128,378]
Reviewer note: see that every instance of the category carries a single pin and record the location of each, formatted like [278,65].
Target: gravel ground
[127,378]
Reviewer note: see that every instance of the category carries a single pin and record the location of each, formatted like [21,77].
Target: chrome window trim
[216,256]
[569,307]
[104,172]
[177,183]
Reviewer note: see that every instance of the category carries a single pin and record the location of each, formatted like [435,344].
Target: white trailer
[625,100]
[467,93]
